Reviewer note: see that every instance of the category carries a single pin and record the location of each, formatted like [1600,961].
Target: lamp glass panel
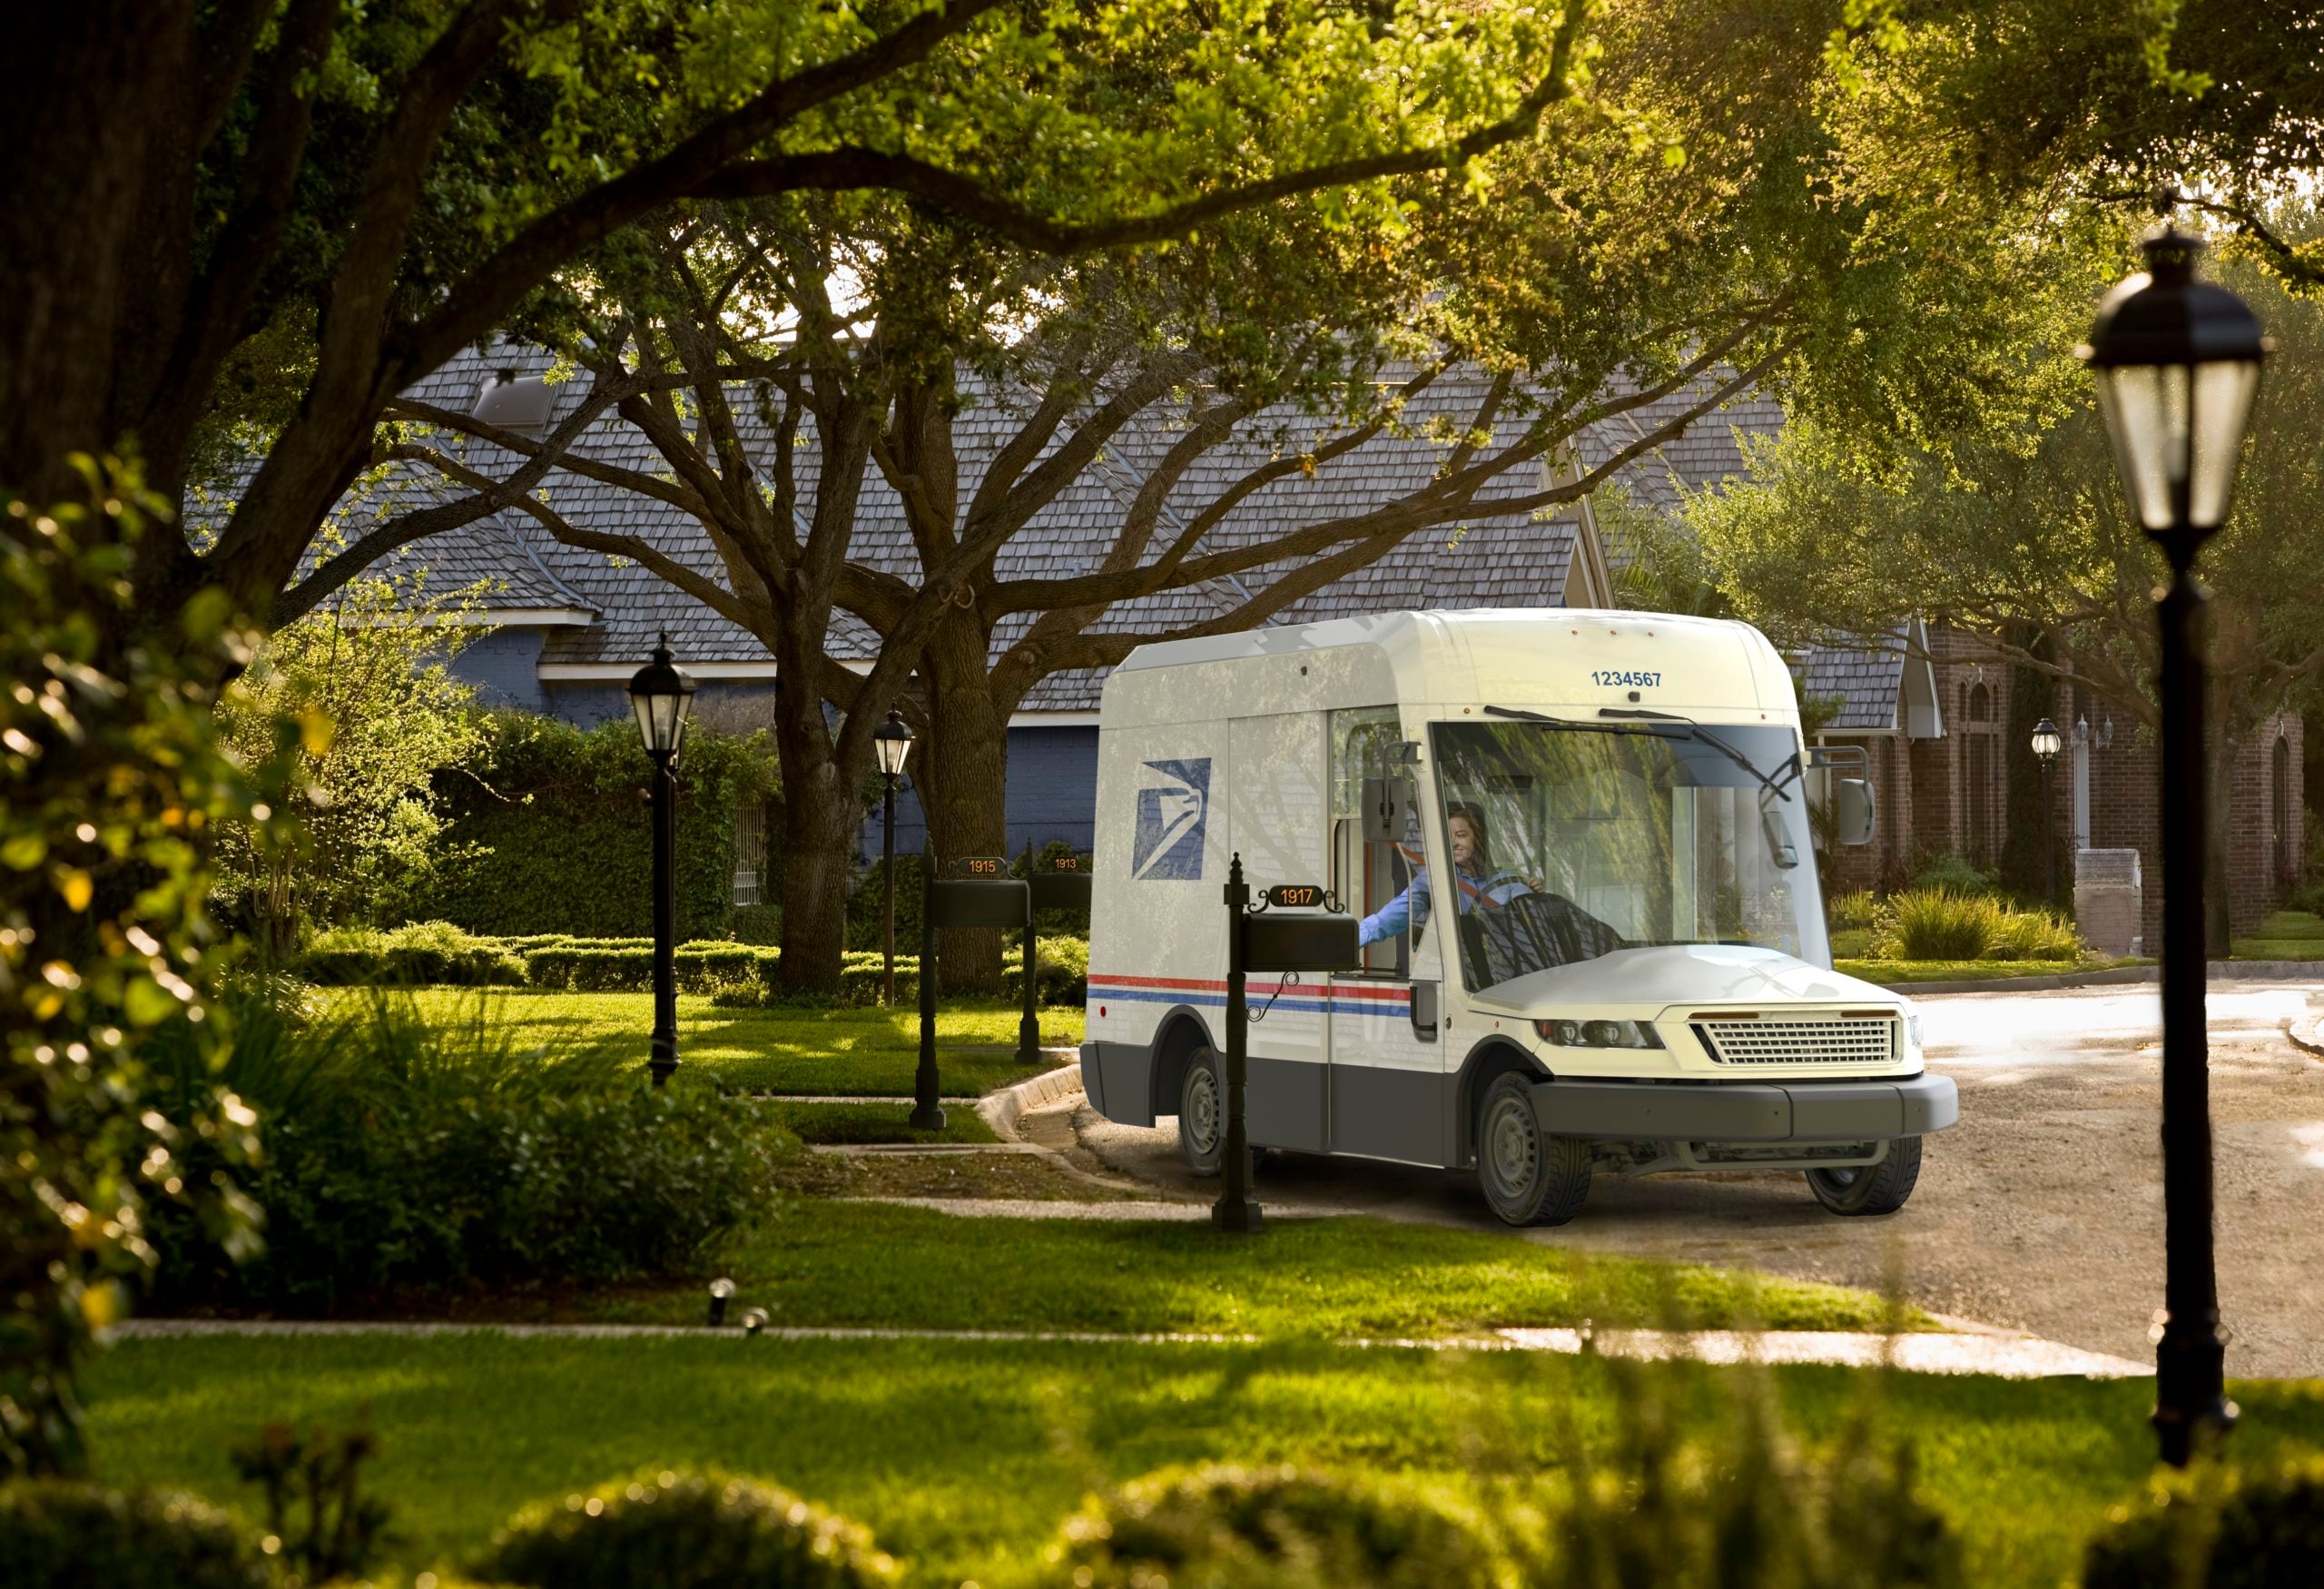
[643,705]
[2145,406]
[893,749]
[2047,742]
[2223,394]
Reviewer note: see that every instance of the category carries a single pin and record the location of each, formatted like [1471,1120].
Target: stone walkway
[2002,1357]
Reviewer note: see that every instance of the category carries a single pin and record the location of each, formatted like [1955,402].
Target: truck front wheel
[1528,1176]
[1202,1114]
[1870,1188]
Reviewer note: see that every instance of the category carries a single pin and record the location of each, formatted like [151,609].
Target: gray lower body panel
[1383,1112]
[1739,1112]
[1118,1078]
[1285,1103]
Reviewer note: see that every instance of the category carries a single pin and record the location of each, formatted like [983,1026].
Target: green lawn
[1903,973]
[964,1455]
[871,1052]
[816,1262]
[2286,935]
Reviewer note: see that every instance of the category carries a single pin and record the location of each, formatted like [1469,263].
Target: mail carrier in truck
[1592,938]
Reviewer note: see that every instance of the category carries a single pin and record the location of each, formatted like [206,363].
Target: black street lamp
[661,695]
[893,740]
[2178,364]
[2047,742]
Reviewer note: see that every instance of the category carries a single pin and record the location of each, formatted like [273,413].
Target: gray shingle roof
[1865,672]
[1509,559]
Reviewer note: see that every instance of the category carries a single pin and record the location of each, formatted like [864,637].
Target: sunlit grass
[965,1455]
[870,1051]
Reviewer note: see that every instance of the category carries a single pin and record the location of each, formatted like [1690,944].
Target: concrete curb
[1003,1109]
[2222,971]
[2308,1036]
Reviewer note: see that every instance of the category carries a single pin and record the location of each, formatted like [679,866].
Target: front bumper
[1868,1110]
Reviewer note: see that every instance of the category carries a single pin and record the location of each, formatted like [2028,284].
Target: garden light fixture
[893,740]
[662,696]
[2047,741]
[2177,365]
[721,1291]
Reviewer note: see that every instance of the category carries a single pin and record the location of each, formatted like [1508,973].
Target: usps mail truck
[1592,937]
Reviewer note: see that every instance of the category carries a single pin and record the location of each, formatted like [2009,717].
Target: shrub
[420,953]
[2308,897]
[585,965]
[63,1535]
[1062,965]
[1858,909]
[1957,873]
[2215,1527]
[401,1152]
[686,1533]
[1935,923]
[1225,1527]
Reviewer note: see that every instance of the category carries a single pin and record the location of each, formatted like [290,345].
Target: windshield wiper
[1696,731]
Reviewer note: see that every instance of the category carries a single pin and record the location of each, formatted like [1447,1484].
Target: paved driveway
[2042,1210]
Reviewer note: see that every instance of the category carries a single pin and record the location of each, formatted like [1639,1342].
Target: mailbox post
[1258,941]
[986,897]
[1065,889]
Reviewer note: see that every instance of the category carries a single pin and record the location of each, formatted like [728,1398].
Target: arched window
[1980,704]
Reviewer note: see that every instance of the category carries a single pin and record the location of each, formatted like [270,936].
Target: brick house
[565,627]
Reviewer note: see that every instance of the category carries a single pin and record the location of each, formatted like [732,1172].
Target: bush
[2215,1527]
[63,1536]
[1955,873]
[554,827]
[584,966]
[404,1153]
[1062,966]
[417,954]
[1858,909]
[686,1533]
[1225,1527]
[1936,923]
[2308,897]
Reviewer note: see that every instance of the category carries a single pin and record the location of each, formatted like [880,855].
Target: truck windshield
[1574,840]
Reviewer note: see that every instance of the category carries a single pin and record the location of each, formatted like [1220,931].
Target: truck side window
[1369,877]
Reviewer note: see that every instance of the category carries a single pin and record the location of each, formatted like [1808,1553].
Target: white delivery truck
[1580,842]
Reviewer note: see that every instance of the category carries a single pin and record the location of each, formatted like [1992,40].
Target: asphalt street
[2041,1211]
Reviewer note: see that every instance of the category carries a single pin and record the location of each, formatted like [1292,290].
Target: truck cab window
[1577,840]
[1372,877]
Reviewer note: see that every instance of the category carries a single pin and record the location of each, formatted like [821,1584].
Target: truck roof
[1533,656]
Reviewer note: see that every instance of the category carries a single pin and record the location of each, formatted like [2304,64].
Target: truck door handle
[1425,1012]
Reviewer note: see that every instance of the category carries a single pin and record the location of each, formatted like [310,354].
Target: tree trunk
[817,836]
[97,232]
[964,786]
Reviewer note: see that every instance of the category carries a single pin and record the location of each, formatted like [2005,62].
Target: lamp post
[2047,742]
[893,740]
[661,695]
[2178,364]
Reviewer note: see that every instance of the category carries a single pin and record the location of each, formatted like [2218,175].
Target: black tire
[1202,1114]
[1870,1188]
[1528,1176]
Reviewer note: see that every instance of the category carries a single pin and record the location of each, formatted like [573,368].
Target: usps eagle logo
[1173,806]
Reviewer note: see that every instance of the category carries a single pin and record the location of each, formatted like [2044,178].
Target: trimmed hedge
[557,818]
[688,1532]
[61,1535]
[426,952]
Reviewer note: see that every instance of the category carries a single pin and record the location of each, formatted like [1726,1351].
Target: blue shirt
[1411,905]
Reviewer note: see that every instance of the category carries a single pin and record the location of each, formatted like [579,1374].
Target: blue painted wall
[504,664]
[1052,795]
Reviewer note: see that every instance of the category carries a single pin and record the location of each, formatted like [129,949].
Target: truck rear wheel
[1870,1188]
[1528,1176]
[1202,1114]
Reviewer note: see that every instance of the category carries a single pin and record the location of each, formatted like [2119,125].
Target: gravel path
[2041,1211]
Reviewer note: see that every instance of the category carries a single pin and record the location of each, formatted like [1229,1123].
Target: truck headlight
[1912,1027]
[1599,1034]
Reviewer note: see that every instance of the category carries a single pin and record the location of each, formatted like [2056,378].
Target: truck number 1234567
[1623,677]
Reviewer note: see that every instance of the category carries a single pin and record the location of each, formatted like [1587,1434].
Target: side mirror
[1854,812]
[1387,809]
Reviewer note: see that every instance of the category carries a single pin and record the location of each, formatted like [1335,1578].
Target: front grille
[1800,1042]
